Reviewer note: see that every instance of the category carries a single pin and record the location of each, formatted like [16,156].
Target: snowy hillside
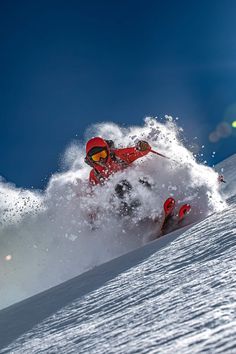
[50,236]
[176,294]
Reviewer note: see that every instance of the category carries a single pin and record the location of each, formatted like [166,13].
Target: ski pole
[166,157]
[220,177]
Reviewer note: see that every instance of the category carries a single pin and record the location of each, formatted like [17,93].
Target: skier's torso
[119,159]
[99,174]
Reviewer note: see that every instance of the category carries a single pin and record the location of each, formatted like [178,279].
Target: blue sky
[67,64]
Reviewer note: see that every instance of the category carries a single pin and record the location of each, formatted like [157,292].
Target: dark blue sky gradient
[67,64]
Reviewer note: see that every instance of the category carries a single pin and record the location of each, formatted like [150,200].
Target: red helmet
[94,143]
[94,146]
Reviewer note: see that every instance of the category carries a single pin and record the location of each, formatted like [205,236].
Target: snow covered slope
[48,237]
[176,294]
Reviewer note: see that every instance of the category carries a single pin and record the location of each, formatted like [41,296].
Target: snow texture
[176,294]
[48,237]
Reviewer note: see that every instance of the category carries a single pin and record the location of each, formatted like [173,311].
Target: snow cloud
[48,237]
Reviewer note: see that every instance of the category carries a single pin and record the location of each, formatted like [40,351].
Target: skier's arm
[133,153]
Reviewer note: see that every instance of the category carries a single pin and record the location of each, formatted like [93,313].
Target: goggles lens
[99,155]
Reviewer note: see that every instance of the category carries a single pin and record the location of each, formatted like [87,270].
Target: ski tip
[184,210]
[169,205]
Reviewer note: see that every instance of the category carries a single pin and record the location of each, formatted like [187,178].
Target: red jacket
[118,160]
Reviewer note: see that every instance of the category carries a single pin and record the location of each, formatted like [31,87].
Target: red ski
[183,211]
[168,207]
[171,220]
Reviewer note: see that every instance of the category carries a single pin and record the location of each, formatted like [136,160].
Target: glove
[143,145]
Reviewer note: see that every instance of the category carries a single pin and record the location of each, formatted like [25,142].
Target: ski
[168,207]
[183,211]
[172,221]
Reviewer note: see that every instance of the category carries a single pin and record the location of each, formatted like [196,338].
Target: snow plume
[15,204]
[49,237]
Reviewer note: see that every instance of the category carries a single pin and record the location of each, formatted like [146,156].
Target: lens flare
[8,257]
[234,124]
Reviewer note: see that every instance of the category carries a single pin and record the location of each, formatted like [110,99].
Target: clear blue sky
[67,64]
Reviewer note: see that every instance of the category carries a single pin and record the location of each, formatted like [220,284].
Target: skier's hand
[143,145]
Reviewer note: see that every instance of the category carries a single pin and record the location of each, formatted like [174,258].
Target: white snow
[49,236]
[176,294]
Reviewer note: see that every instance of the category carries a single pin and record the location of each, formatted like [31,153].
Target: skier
[106,160]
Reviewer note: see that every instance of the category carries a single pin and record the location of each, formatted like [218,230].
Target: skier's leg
[123,191]
[123,188]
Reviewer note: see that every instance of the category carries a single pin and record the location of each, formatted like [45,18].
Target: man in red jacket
[106,160]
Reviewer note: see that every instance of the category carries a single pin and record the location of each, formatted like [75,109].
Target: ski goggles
[99,155]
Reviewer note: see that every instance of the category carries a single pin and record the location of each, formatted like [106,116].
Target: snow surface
[175,294]
[48,237]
